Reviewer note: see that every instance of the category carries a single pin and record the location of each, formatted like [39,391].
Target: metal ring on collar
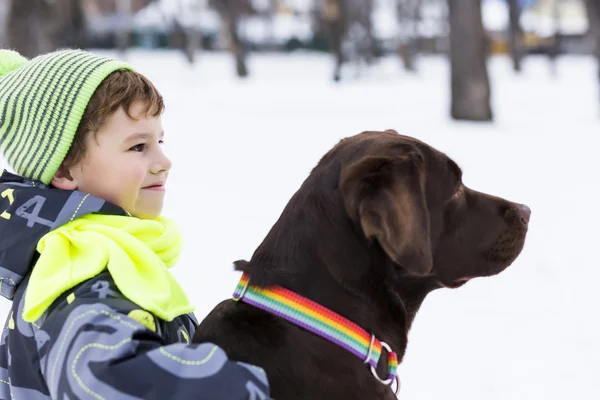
[370,352]
[397,386]
[383,381]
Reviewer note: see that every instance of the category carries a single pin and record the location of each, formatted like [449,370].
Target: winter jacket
[92,342]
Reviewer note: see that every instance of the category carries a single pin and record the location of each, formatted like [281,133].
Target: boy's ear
[62,179]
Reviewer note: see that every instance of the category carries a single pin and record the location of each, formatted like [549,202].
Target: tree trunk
[124,12]
[237,45]
[332,14]
[272,15]
[408,15]
[468,53]
[232,12]
[73,25]
[516,34]
[33,27]
[593,13]
[554,50]
[3,22]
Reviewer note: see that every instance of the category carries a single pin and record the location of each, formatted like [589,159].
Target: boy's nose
[162,163]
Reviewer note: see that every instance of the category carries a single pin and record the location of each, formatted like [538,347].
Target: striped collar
[320,321]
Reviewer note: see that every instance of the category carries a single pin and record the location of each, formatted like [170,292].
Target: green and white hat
[42,101]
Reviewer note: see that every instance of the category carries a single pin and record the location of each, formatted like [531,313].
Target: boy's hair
[121,88]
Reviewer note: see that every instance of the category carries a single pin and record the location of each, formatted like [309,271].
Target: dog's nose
[525,213]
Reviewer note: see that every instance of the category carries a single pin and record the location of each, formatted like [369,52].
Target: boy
[83,250]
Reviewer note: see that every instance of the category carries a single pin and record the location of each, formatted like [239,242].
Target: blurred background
[256,91]
[357,33]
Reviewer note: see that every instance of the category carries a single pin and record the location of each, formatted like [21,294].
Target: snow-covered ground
[242,148]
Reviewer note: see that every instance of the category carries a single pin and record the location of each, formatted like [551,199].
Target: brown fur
[381,221]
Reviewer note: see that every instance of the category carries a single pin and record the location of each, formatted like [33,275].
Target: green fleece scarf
[136,252]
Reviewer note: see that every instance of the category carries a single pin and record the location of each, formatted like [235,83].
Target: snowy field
[242,148]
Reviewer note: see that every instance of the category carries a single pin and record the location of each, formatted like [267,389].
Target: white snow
[242,148]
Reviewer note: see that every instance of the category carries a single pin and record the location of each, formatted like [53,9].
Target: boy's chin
[146,214]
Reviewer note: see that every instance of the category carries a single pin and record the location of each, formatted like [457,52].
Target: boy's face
[124,163]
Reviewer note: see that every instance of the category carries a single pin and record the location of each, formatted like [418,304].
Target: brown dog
[382,220]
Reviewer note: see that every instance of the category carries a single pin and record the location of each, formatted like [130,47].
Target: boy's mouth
[157,186]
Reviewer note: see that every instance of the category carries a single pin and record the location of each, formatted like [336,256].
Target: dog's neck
[325,257]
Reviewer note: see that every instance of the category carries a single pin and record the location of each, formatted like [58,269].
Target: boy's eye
[138,147]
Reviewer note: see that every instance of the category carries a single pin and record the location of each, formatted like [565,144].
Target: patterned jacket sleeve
[93,350]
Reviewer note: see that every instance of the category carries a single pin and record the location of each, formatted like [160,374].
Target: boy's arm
[90,350]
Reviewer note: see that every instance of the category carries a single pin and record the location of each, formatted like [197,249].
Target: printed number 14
[37,202]
[11,199]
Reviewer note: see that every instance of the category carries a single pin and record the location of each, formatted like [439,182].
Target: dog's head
[409,199]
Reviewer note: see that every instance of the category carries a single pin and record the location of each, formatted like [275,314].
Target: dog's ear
[386,196]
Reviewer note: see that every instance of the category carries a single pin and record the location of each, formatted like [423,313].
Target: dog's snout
[517,214]
[525,213]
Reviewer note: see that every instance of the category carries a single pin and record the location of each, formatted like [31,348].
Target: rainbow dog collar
[320,321]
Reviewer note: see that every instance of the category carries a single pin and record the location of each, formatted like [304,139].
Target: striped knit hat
[42,101]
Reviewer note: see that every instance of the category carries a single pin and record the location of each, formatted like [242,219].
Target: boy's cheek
[131,176]
[139,173]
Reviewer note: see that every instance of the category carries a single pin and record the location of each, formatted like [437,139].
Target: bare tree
[33,27]
[593,13]
[73,27]
[188,35]
[3,19]
[40,26]
[515,34]
[334,23]
[408,13]
[124,12]
[231,12]
[468,62]
[554,50]
[272,15]
[349,32]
